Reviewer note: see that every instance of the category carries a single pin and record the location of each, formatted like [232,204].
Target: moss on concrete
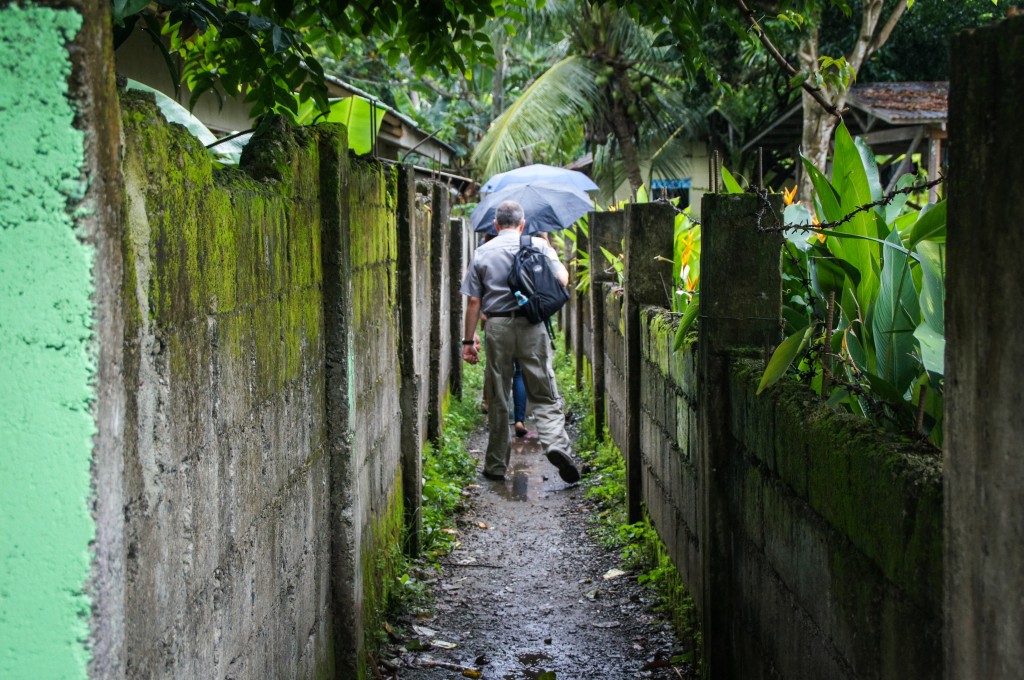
[883,493]
[382,557]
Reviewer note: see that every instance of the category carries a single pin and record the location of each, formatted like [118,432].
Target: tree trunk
[818,124]
[815,142]
[623,129]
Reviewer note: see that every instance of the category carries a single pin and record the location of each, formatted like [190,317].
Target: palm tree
[612,91]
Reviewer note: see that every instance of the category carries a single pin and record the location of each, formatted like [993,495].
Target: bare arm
[469,352]
[562,274]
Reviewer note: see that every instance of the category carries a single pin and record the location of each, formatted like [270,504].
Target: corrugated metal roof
[903,103]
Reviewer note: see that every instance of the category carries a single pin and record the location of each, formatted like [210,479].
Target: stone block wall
[838,559]
[828,558]
[669,441]
[614,364]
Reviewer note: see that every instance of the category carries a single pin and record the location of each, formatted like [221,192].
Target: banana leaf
[896,315]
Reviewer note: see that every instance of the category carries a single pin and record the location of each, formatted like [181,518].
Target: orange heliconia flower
[788,195]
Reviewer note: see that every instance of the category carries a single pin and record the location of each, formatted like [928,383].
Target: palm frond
[551,110]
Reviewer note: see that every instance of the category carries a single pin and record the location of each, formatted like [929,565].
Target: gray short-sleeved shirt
[487,275]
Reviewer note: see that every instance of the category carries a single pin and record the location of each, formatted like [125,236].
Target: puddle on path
[523,598]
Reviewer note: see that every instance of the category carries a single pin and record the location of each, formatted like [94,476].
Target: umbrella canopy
[548,207]
[538,172]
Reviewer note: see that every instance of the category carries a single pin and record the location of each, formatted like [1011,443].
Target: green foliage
[446,471]
[884,269]
[448,467]
[611,89]
[263,50]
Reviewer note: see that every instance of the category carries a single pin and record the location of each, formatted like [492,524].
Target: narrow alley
[528,593]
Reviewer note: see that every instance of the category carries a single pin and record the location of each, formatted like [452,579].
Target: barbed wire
[821,226]
[825,226]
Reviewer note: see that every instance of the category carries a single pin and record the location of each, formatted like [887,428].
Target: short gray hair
[508,214]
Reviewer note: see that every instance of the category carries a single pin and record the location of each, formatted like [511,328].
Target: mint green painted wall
[48,365]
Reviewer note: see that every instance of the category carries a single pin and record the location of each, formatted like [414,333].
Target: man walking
[509,336]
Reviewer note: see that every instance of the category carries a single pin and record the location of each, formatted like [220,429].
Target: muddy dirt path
[528,594]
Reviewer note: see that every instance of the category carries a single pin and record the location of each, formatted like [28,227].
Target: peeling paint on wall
[48,370]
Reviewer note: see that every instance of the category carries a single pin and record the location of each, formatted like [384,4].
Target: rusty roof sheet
[903,103]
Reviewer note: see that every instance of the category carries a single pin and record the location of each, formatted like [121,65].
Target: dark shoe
[495,476]
[521,430]
[566,468]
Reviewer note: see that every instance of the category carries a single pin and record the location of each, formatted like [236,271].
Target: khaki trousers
[516,338]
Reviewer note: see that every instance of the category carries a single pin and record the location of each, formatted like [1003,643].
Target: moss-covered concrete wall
[376,381]
[614,364]
[839,570]
[226,479]
[669,442]
[836,567]
[255,547]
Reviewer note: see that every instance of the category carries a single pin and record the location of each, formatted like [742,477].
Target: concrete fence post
[440,341]
[740,306]
[984,472]
[568,312]
[606,230]
[456,304]
[579,300]
[648,281]
[346,560]
[409,395]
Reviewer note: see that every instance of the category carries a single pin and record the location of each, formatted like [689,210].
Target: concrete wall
[227,529]
[265,458]
[811,543]
[985,388]
[669,442]
[614,362]
[204,471]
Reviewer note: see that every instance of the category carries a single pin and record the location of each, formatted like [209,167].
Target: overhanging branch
[815,92]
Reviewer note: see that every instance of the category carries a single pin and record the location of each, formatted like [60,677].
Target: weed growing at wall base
[447,468]
[605,480]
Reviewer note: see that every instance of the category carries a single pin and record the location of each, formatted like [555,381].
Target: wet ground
[528,594]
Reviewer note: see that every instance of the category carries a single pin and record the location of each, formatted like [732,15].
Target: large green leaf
[895,318]
[930,225]
[783,357]
[731,185]
[361,118]
[798,214]
[893,207]
[850,177]
[827,198]
[867,159]
[933,294]
[933,349]
[829,275]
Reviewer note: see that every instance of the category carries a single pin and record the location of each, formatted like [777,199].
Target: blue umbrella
[538,172]
[548,207]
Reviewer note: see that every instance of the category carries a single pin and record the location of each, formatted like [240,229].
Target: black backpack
[539,292]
